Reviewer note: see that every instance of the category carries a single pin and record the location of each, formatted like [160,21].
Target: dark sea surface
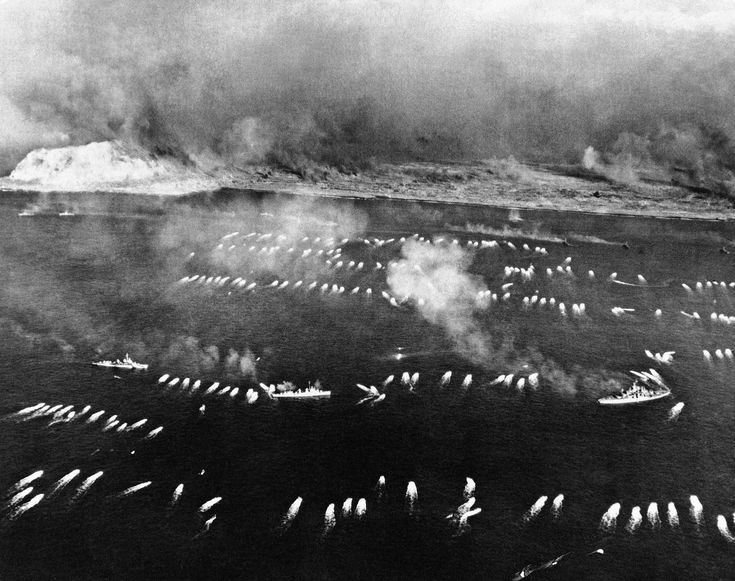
[108,281]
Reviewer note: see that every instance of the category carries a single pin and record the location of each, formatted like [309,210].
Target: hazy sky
[240,81]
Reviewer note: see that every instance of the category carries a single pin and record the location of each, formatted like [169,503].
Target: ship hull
[303,396]
[606,401]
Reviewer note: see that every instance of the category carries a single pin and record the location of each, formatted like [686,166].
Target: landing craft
[30,409]
[63,482]
[209,504]
[15,499]
[133,489]
[329,520]
[635,520]
[608,522]
[347,508]
[556,505]
[361,508]
[95,416]
[462,508]
[724,529]
[696,510]
[652,516]
[469,488]
[153,433]
[86,485]
[672,515]
[26,507]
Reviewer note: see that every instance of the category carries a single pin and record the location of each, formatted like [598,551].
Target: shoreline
[476,184]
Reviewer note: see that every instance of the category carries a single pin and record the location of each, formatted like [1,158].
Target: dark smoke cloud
[218,82]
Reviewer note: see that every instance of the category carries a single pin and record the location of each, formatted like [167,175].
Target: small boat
[67,213]
[311,392]
[126,363]
[26,213]
[651,388]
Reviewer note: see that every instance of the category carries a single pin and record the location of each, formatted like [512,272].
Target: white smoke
[436,278]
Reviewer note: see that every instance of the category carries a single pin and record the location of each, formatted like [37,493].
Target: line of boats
[648,386]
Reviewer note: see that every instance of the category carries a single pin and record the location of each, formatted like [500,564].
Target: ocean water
[114,279]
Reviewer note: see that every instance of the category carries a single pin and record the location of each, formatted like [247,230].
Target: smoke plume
[436,278]
[217,82]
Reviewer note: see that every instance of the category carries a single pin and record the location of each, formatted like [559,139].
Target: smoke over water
[436,278]
[218,82]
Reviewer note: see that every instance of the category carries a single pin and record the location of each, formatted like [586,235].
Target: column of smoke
[437,278]
[341,82]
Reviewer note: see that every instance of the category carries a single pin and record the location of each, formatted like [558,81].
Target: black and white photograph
[371,290]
